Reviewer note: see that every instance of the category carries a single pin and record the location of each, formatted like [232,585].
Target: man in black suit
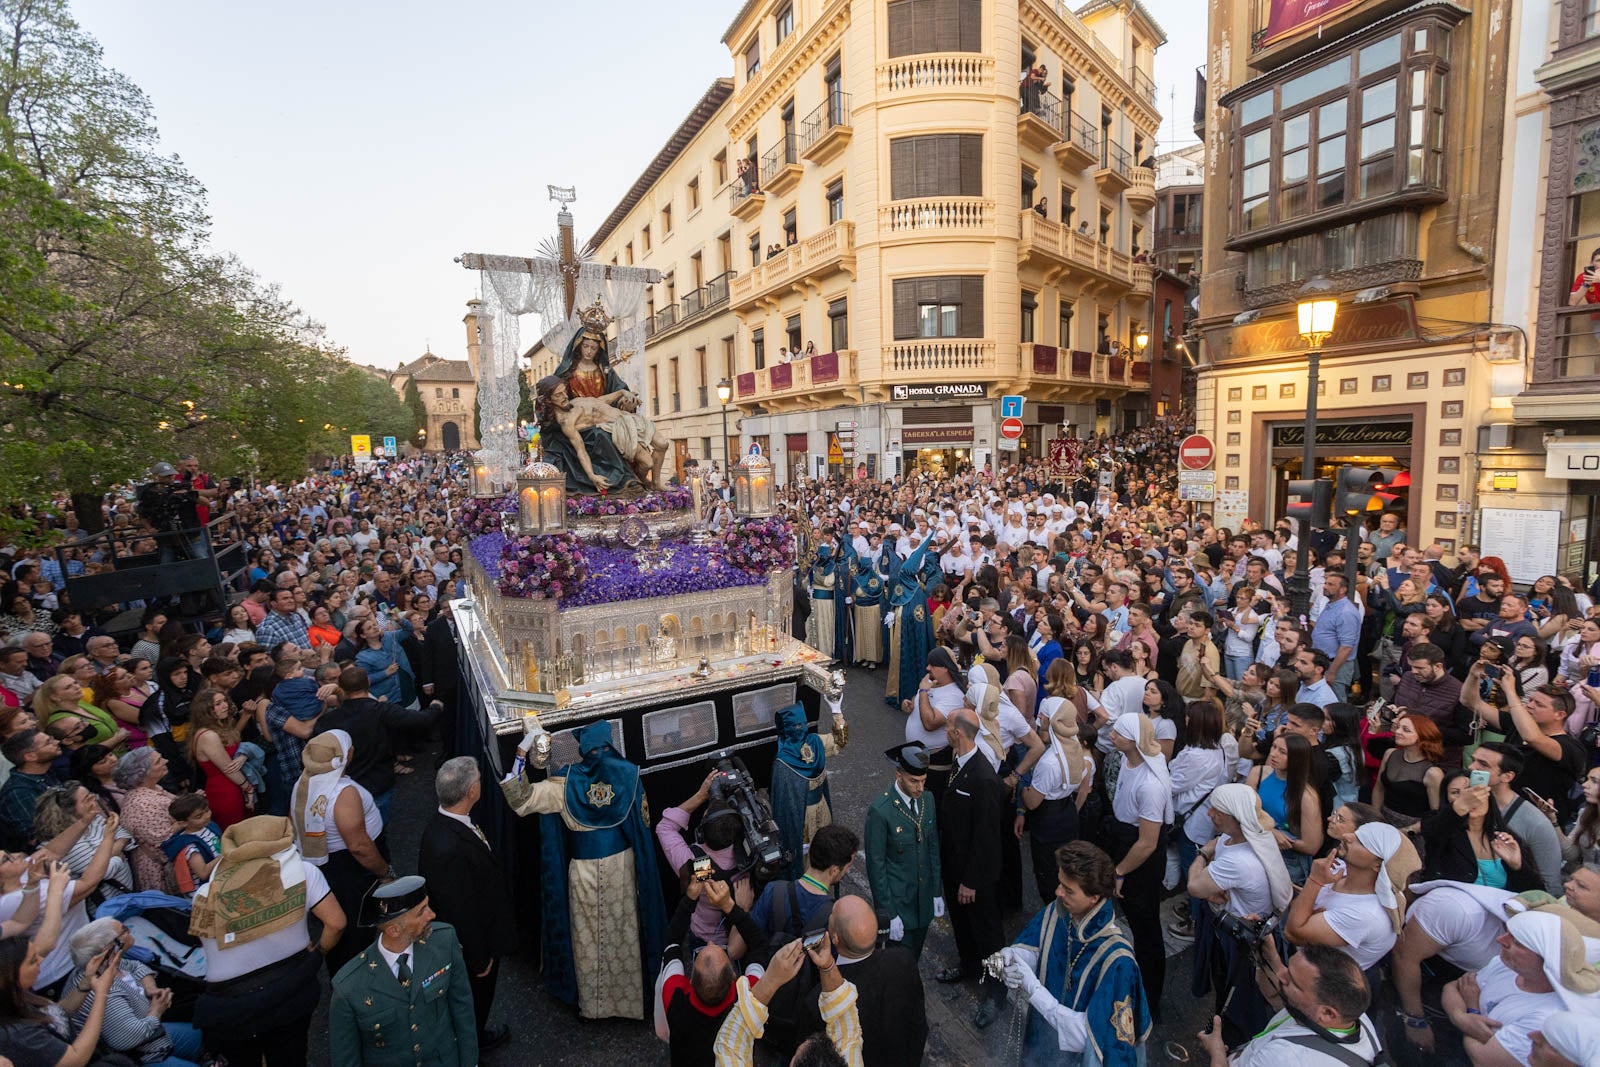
[440,668]
[467,888]
[969,859]
[889,998]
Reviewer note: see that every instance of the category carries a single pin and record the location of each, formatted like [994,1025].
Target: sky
[351,150]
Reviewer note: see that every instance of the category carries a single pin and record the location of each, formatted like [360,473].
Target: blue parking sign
[388,446]
[1011,407]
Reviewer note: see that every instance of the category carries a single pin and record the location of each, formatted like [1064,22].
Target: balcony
[810,259]
[825,132]
[936,74]
[1116,170]
[936,218]
[1088,375]
[804,383]
[1079,147]
[745,204]
[1040,124]
[1052,245]
[1144,87]
[1175,238]
[971,357]
[696,304]
[780,168]
[1144,278]
[1142,191]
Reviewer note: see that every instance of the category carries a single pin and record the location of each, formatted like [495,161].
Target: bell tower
[473,322]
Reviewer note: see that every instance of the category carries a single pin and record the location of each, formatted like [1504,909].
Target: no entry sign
[1196,453]
[1011,429]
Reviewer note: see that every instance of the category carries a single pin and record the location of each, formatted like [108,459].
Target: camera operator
[1322,1022]
[720,831]
[1242,875]
[694,991]
[170,508]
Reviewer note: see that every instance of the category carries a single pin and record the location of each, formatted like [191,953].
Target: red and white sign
[1011,429]
[1196,453]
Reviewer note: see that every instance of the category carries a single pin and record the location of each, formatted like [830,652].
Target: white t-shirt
[1362,922]
[1140,796]
[1238,870]
[223,964]
[1119,698]
[1052,776]
[369,815]
[58,964]
[1195,773]
[1519,1013]
[1272,1048]
[945,699]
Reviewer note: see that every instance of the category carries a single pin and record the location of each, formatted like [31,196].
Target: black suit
[969,855]
[440,668]
[467,889]
[889,1003]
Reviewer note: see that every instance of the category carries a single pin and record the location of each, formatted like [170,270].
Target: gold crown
[594,317]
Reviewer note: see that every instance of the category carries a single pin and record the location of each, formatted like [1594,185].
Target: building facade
[449,391]
[879,190]
[1362,149]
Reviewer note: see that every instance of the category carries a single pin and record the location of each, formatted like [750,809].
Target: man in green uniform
[902,845]
[405,998]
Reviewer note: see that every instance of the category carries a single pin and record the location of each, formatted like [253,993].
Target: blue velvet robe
[908,595]
[608,829]
[1088,967]
[801,764]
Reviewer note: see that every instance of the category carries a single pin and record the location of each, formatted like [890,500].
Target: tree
[419,410]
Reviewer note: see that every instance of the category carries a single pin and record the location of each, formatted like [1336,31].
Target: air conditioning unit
[1499,436]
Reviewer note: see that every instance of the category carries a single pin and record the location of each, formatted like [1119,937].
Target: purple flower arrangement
[759,545]
[485,516]
[673,498]
[543,567]
[615,576]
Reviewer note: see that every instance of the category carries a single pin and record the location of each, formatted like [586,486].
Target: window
[1591,18]
[1030,184]
[1369,242]
[839,324]
[752,57]
[791,233]
[944,164]
[1362,125]
[1069,204]
[755,248]
[946,306]
[705,447]
[719,168]
[1578,351]
[1064,326]
[455,394]
[919,26]
[833,89]
[702,374]
[438,392]
[692,194]
[835,196]
[758,347]
[1068,89]
[783,22]
[655,391]
[672,383]
[1102,329]
[666,220]
[1030,310]
[627,253]
[644,239]
[791,330]
[1105,225]
[790,143]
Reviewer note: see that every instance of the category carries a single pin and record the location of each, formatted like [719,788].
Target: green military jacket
[902,859]
[375,1022]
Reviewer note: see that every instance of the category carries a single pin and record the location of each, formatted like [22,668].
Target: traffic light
[1315,510]
[1361,489]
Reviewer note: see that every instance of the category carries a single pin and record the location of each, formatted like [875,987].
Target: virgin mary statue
[586,370]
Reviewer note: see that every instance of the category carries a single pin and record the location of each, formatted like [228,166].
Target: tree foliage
[124,339]
[419,410]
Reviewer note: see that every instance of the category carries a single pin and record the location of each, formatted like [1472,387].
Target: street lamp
[724,394]
[1318,307]
[1141,341]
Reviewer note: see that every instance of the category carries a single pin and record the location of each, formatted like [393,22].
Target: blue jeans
[1187,851]
[1237,665]
[382,804]
[186,1046]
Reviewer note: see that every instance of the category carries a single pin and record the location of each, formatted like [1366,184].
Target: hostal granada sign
[939,391]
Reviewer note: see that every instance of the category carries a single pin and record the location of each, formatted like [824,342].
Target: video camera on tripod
[733,794]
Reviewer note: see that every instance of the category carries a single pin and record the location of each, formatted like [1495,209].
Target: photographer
[837,1002]
[695,987]
[170,508]
[720,831]
[1241,874]
[1553,759]
[1322,1021]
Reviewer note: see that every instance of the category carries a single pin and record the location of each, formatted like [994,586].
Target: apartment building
[1357,143]
[880,190]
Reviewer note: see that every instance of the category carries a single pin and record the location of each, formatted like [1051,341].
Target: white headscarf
[1568,957]
[1137,727]
[1574,1036]
[316,791]
[985,700]
[1244,804]
[1383,841]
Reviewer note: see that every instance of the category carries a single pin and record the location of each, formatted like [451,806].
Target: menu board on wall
[1528,541]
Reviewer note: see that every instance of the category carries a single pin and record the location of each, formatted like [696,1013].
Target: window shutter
[923,37]
[903,167]
[970,20]
[901,18]
[970,151]
[905,308]
[947,25]
[970,321]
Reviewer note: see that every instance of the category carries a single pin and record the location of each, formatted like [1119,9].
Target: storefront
[935,449]
[940,426]
[1340,443]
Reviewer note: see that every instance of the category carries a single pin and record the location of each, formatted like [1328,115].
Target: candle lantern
[753,491]
[482,480]
[541,499]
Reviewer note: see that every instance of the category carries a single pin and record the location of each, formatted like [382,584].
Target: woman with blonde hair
[214,727]
[1022,674]
[61,701]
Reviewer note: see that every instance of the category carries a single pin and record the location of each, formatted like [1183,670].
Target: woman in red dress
[214,725]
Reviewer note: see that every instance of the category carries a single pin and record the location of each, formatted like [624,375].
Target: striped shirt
[748,1021]
[128,1023]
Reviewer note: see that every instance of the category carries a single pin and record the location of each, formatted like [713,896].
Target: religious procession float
[598,594]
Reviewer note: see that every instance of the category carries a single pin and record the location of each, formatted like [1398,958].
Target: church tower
[473,320]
